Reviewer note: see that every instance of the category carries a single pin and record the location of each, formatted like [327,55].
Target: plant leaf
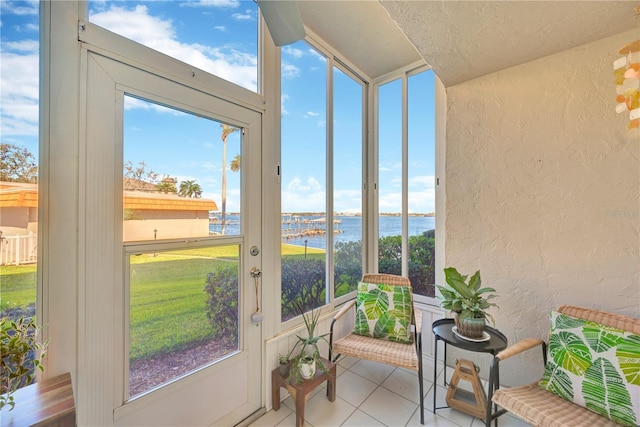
[604,392]
[569,351]
[600,338]
[628,354]
[557,381]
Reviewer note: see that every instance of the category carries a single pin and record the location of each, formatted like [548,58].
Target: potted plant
[468,301]
[285,361]
[21,356]
[309,359]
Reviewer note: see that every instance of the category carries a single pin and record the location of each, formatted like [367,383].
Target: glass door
[177,204]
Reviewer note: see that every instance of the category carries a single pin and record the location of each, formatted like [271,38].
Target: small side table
[443,330]
[299,392]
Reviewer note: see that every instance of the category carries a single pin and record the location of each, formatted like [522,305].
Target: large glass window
[304,163]
[320,169]
[347,182]
[219,37]
[406,171]
[181,180]
[19,56]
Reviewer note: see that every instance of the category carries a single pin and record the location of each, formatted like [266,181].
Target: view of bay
[350,228]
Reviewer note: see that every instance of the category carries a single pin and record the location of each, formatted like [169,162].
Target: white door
[167,326]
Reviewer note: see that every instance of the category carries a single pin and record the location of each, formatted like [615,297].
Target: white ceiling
[461,40]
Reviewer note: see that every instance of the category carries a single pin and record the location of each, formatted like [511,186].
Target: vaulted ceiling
[461,40]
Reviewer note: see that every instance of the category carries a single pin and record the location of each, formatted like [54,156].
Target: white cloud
[310,114]
[242,16]
[29,8]
[303,196]
[423,181]
[220,28]
[212,3]
[289,71]
[288,50]
[160,35]
[19,91]
[283,110]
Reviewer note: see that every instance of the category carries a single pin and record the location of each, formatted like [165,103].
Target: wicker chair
[538,406]
[378,350]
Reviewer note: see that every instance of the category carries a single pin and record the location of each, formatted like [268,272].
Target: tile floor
[370,394]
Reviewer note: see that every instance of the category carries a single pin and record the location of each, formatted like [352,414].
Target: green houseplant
[309,359]
[468,301]
[21,354]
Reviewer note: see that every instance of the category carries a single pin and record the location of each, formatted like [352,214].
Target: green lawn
[168,301]
[17,286]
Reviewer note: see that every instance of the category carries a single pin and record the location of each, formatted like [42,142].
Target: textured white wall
[543,190]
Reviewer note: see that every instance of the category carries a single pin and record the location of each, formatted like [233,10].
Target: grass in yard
[167,297]
[17,286]
[168,302]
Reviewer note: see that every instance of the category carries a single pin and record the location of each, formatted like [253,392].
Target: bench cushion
[594,366]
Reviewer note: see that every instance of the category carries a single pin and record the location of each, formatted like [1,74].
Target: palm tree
[235,163]
[226,130]
[190,188]
[167,185]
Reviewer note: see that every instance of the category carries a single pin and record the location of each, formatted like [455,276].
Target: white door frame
[225,392]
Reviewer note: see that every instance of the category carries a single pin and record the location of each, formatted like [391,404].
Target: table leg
[435,373]
[275,390]
[300,401]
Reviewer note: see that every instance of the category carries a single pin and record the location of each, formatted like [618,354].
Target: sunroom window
[406,179]
[219,37]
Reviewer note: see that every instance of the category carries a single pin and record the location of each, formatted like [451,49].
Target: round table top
[443,329]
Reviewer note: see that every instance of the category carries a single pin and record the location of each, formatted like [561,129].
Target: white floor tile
[373,371]
[290,421]
[272,418]
[505,420]
[360,419]
[454,415]
[319,412]
[354,388]
[405,383]
[347,362]
[388,407]
[430,420]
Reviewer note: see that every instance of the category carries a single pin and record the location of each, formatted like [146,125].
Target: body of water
[350,228]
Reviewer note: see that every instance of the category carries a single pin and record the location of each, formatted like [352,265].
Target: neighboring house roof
[18,194]
[137,200]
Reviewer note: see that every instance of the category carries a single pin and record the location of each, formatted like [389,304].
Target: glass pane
[19,56]
[347,176]
[390,178]
[181,174]
[183,313]
[421,175]
[219,37]
[303,179]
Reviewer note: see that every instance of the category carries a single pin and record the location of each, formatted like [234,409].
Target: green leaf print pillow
[384,311]
[594,366]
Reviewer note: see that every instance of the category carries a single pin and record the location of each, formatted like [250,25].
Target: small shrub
[20,359]
[222,303]
[303,283]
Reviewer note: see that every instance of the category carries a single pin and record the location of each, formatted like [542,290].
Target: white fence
[16,250]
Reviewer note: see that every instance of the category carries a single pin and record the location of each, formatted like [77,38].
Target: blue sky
[220,36]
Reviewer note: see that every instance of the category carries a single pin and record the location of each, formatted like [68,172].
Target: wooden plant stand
[472,403]
[299,392]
